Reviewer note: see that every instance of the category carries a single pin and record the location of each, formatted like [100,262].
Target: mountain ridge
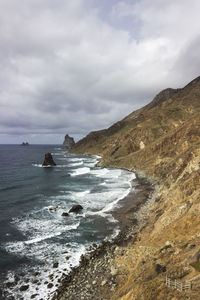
[159,141]
[170,116]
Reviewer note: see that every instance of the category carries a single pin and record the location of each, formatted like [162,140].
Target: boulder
[54,208]
[34,295]
[65,214]
[48,160]
[196,255]
[103,282]
[194,260]
[68,142]
[159,268]
[23,288]
[75,208]
[55,265]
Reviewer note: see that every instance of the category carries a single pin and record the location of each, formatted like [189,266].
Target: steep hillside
[162,141]
[172,117]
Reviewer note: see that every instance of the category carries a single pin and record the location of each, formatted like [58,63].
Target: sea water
[34,236]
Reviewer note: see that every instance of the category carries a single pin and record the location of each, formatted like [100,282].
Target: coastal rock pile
[48,160]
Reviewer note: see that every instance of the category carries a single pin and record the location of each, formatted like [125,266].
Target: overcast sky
[74,66]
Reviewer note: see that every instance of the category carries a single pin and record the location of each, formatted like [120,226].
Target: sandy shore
[96,276]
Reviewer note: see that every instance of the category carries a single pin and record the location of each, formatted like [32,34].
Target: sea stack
[25,144]
[68,142]
[48,160]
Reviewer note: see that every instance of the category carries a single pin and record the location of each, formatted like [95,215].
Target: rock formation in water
[25,144]
[68,142]
[65,214]
[48,160]
[160,141]
[75,208]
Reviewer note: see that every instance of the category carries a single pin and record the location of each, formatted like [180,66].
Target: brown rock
[55,265]
[48,160]
[50,285]
[23,288]
[65,214]
[75,208]
[33,296]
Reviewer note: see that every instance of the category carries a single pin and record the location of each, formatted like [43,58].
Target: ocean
[37,244]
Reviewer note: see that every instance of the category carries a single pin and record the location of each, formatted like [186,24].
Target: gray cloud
[76,66]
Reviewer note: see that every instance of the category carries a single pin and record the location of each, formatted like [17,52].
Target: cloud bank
[76,66]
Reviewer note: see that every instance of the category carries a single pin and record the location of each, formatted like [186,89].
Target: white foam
[75,164]
[41,166]
[103,215]
[81,171]
[56,166]
[114,234]
[37,165]
[42,238]
[103,183]
[81,194]
[108,200]
[75,159]
[61,159]
[64,267]
[100,172]
[110,206]
[61,166]
[96,156]
[20,247]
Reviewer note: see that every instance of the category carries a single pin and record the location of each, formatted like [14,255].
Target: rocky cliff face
[68,142]
[161,141]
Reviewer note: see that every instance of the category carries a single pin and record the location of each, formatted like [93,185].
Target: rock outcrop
[75,208]
[48,160]
[68,142]
[65,214]
[25,144]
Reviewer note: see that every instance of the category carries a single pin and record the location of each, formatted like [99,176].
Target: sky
[79,66]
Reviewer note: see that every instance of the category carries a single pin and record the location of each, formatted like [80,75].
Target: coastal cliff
[160,141]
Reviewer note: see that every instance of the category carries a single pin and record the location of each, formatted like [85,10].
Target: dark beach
[96,277]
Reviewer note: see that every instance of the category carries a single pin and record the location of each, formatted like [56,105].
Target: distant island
[68,142]
[25,144]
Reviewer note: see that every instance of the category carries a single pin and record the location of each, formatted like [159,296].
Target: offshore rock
[25,144]
[65,214]
[48,160]
[75,208]
[68,142]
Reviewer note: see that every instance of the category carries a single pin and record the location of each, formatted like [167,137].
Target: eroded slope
[161,140]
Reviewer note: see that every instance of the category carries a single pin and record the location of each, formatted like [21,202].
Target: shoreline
[95,277]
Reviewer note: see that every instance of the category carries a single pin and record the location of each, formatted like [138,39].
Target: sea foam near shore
[47,237]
